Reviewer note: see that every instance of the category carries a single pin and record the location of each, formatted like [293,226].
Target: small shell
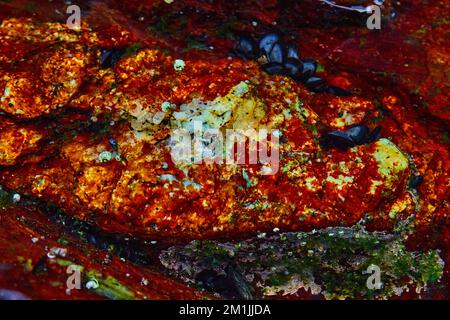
[276,53]
[314,82]
[274,68]
[374,135]
[336,91]
[294,67]
[358,133]
[267,41]
[179,65]
[309,68]
[337,139]
[159,117]
[245,48]
[291,52]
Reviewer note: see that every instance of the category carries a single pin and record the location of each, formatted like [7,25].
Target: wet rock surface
[65,139]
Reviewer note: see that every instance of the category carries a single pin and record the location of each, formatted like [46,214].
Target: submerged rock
[337,263]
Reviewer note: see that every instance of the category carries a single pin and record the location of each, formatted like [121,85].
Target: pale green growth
[166,106]
[179,65]
[105,156]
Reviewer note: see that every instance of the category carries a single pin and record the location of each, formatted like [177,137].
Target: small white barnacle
[72,83]
[179,64]
[16,198]
[277,133]
[261,235]
[92,284]
[105,156]
[159,117]
[241,89]
[166,106]
[56,252]
[144,282]
[6,94]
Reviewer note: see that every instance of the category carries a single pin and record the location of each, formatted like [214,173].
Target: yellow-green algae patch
[391,161]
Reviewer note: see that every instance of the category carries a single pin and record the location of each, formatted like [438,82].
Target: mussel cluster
[353,136]
[277,57]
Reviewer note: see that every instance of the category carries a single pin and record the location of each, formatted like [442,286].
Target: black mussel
[337,139]
[309,68]
[322,88]
[355,135]
[291,52]
[358,133]
[374,135]
[245,48]
[274,68]
[332,90]
[314,82]
[267,41]
[276,53]
[294,68]
[336,91]
[109,57]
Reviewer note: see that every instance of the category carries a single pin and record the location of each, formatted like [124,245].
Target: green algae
[108,287]
[5,198]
